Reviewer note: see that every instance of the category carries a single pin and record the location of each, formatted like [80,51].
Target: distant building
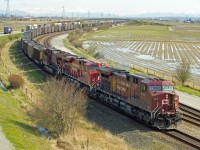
[188,21]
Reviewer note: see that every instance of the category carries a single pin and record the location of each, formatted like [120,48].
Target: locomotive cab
[165,104]
[90,68]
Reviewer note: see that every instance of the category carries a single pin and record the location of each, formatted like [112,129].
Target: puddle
[195,70]
[105,43]
[146,57]
[3,86]
[124,50]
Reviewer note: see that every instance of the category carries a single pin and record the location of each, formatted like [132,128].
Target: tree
[62,106]
[183,71]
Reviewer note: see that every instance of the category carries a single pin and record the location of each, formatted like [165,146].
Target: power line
[8,9]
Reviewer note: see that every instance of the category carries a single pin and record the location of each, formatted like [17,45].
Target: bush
[183,71]
[99,55]
[77,43]
[16,81]
[61,107]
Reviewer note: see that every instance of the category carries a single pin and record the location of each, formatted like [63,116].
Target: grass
[188,89]
[143,33]
[17,25]
[23,63]
[14,121]
[87,54]
[16,126]
[98,138]
[90,136]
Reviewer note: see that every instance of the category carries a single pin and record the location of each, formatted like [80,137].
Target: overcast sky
[120,7]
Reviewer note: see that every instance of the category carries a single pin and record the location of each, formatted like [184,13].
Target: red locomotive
[149,99]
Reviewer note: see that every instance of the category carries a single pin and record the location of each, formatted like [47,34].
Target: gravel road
[14,32]
[190,100]
[4,143]
[57,42]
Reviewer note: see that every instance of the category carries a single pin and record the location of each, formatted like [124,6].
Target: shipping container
[30,49]
[38,53]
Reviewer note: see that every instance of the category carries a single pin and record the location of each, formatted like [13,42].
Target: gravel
[135,134]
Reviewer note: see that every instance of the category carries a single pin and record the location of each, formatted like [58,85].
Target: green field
[154,46]
[178,32]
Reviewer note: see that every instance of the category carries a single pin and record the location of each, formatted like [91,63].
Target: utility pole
[88,14]
[101,15]
[72,15]
[8,9]
[63,12]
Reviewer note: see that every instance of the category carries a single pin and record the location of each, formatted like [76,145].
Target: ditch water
[3,86]
[126,50]
[146,57]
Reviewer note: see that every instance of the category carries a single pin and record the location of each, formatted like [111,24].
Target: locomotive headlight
[176,98]
[166,96]
[163,110]
[155,99]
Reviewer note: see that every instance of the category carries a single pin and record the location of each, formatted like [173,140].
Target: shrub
[99,55]
[183,71]
[61,107]
[16,81]
[77,43]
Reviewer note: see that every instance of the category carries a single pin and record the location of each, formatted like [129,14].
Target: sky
[119,7]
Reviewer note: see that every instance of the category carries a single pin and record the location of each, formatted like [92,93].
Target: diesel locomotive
[151,100]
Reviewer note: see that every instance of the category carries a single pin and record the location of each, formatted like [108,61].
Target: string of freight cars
[152,100]
[183,137]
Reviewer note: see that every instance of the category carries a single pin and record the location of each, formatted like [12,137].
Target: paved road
[185,98]
[190,100]
[14,32]
[4,143]
[57,42]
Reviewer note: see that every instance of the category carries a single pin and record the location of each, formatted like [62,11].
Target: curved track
[178,135]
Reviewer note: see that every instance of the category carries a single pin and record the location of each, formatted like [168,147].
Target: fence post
[26,92]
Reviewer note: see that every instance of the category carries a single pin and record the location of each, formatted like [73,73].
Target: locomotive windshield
[160,88]
[168,88]
[93,67]
[155,88]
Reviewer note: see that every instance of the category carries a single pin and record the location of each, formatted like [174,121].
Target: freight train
[151,100]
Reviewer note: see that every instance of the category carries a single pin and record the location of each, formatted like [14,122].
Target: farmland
[158,48]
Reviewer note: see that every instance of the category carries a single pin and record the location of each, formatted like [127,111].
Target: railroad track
[45,39]
[183,137]
[190,114]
